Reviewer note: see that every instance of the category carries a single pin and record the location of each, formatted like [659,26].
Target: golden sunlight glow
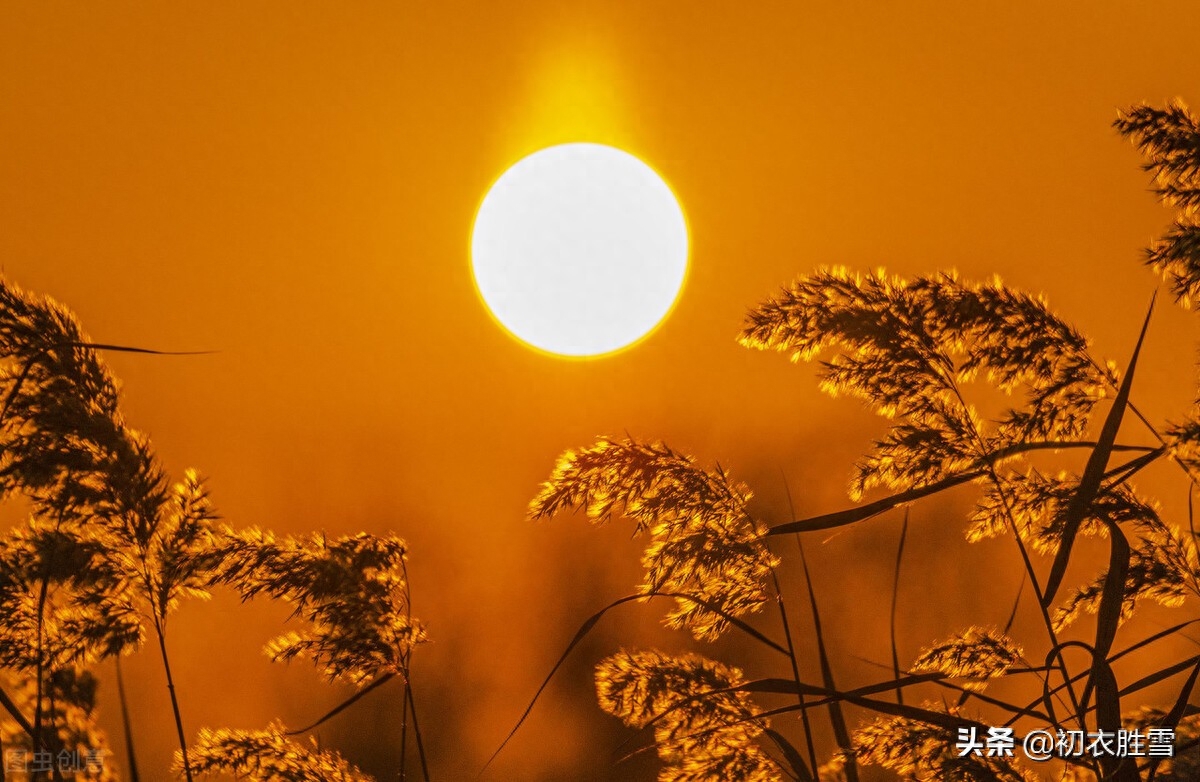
[579,250]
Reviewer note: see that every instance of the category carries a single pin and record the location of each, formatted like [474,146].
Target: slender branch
[990,469]
[836,717]
[403,775]
[787,634]
[127,725]
[405,661]
[810,744]
[162,647]
[895,600]
[412,705]
[1192,477]
[41,668]
[1038,595]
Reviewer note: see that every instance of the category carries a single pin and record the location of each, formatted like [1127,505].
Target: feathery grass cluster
[917,351]
[113,548]
[705,549]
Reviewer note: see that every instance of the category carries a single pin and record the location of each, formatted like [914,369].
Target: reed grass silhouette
[907,349]
[113,547]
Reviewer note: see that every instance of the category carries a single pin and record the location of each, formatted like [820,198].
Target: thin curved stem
[162,647]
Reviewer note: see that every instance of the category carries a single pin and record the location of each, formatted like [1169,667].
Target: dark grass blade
[1160,675]
[591,623]
[29,363]
[1108,615]
[16,389]
[805,722]
[127,726]
[781,686]
[851,515]
[836,718]
[353,699]
[1181,703]
[1012,615]
[1108,718]
[1152,638]
[1176,714]
[1124,472]
[1089,483]
[858,696]
[129,349]
[843,518]
[795,762]
[412,708]
[966,694]
[404,734]
[947,722]
[895,597]
[15,713]
[1191,511]
[941,680]
[1130,650]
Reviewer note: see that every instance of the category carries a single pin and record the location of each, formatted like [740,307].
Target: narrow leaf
[795,762]
[1089,483]
[851,515]
[343,705]
[587,627]
[1113,596]
[1158,676]
[15,713]
[836,718]
[127,726]
[895,598]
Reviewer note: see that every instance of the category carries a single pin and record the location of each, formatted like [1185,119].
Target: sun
[579,250]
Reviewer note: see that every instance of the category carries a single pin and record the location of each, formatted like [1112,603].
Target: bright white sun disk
[579,250]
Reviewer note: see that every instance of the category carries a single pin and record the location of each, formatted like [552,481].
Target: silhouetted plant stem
[412,705]
[1029,569]
[1037,592]
[1012,615]
[787,634]
[41,670]
[162,648]
[404,732]
[15,713]
[127,725]
[840,732]
[36,737]
[405,662]
[895,599]
[810,745]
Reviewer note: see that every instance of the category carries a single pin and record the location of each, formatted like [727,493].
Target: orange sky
[292,185]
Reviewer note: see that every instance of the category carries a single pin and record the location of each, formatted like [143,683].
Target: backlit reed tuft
[703,729]
[905,347]
[267,756]
[703,542]
[922,752]
[351,593]
[1169,139]
[976,654]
